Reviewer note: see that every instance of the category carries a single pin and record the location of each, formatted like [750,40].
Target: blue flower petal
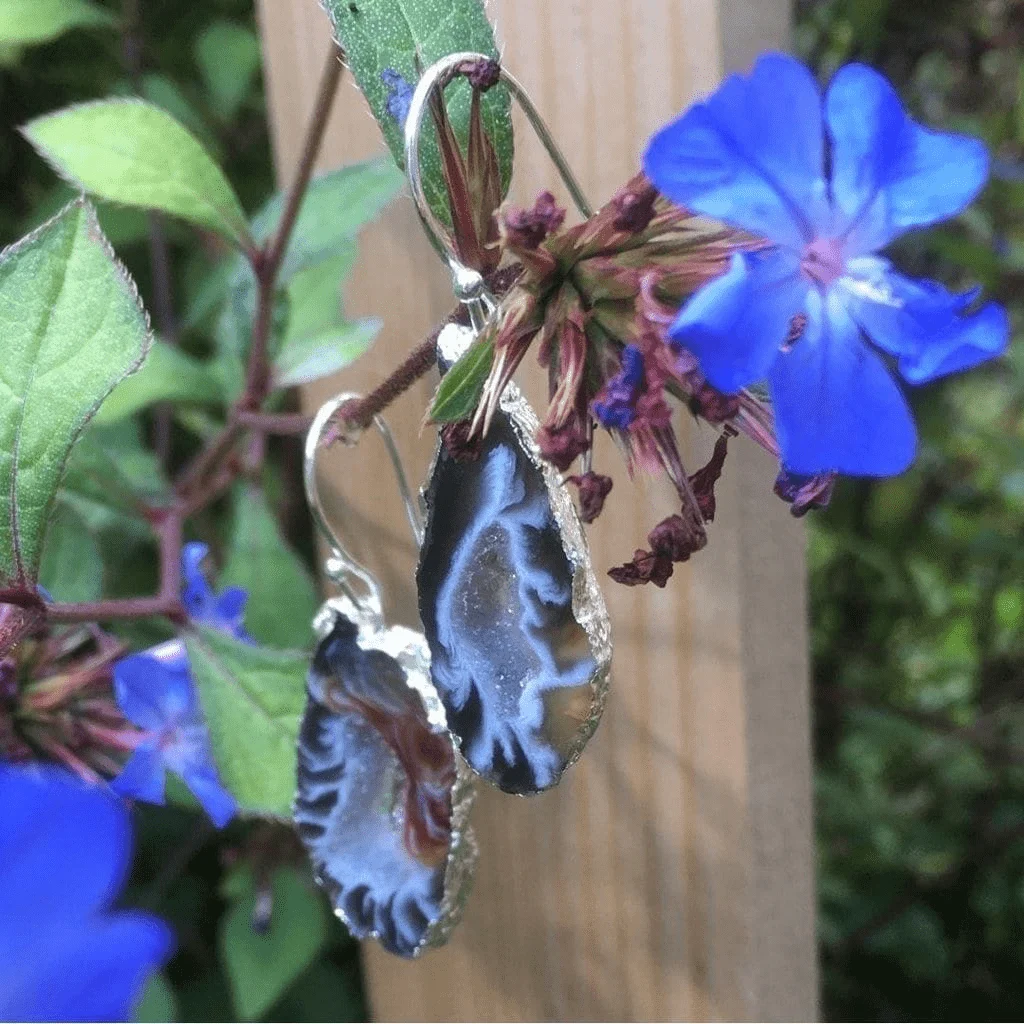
[969,341]
[154,688]
[64,852]
[836,406]
[86,972]
[142,777]
[751,155]
[197,595]
[45,814]
[921,321]
[201,778]
[736,324]
[889,174]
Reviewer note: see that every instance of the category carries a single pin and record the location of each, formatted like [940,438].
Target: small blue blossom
[615,407]
[155,691]
[829,182]
[400,94]
[224,611]
[64,853]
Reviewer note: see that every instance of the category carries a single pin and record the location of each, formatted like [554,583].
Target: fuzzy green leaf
[168,374]
[282,595]
[25,22]
[262,965]
[134,153]
[72,328]
[458,393]
[253,699]
[381,36]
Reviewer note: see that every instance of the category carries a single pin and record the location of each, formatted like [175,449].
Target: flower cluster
[738,275]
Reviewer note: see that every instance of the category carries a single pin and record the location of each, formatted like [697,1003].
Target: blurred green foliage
[918,588]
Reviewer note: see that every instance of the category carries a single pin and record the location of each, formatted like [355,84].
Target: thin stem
[104,611]
[359,414]
[267,264]
[282,423]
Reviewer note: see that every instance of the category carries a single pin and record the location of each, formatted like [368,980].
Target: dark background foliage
[917,583]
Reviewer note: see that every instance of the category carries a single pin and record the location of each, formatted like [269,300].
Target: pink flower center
[823,262]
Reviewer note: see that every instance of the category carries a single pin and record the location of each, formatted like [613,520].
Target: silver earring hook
[469,284]
[355,581]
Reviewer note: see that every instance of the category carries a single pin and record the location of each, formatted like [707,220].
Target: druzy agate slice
[518,632]
[381,806]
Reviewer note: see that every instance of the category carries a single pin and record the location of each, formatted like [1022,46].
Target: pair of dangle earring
[508,679]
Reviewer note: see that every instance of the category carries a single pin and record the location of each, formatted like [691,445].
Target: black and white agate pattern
[381,805]
[518,631]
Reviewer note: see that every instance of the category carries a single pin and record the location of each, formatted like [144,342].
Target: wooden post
[671,874]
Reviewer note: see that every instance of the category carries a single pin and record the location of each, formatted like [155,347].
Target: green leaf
[282,595]
[396,35]
[314,294]
[253,699]
[167,375]
[164,93]
[134,153]
[72,327]
[335,207]
[459,391]
[319,355]
[72,566]
[262,965]
[24,22]
[158,1003]
[228,56]
[111,474]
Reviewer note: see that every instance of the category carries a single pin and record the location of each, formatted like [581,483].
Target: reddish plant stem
[267,265]
[359,414]
[282,423]
[211,471]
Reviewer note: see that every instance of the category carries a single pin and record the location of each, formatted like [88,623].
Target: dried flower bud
[526,227]
[805,492]
[704,480]
[646,567]
[460,442]
[483,74]
[594,489]
[634,206]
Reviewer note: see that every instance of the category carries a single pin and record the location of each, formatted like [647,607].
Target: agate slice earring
[519,635]
[382,799]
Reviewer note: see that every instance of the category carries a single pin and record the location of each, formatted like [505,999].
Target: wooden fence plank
[671,875]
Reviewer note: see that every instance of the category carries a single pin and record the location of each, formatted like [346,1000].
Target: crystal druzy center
[508,658]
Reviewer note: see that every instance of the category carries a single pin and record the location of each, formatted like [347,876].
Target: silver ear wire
[355,581]
[469,285]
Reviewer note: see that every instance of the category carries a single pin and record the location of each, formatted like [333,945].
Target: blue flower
[829,183]
[64,853]
[615,407]
[400,94]
[224,611]
[155,691]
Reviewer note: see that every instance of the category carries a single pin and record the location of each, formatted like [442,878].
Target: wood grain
[671,875]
